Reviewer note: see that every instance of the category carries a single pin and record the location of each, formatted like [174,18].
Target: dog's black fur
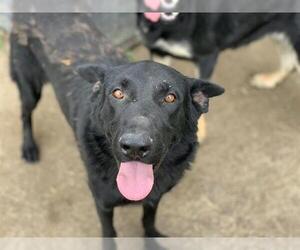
[49,47]
[208,34]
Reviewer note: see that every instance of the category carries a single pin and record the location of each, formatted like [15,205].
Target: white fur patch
[181,49]
[288,54]
[166,60]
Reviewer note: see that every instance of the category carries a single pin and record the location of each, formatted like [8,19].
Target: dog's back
[63,37]
[49,46]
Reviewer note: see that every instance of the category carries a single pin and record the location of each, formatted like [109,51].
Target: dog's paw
[154,233]
[266,80]
[109,244]
[151,244]
[30,153]
[109,234]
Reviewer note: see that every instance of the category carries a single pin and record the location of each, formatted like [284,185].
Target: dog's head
[163,22]
[144,109]
[170,26]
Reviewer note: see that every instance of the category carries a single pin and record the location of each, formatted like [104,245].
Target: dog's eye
[170,98]
[169,4]
[169,16]
[118,94]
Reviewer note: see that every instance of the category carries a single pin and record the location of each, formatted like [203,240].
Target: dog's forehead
[151,73]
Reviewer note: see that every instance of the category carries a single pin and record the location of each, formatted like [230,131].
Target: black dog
[202,36]
[135,123]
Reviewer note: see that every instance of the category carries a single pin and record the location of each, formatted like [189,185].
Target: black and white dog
[202,36]
[135,123]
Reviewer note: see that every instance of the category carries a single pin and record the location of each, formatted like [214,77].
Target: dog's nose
[135,146]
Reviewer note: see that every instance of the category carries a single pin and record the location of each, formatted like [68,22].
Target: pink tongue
[152,16]
[135,180]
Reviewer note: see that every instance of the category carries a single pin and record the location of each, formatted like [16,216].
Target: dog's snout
[135,146]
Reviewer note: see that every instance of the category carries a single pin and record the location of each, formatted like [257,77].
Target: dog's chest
[176,48]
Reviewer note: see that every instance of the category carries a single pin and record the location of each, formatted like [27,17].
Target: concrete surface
[245,181]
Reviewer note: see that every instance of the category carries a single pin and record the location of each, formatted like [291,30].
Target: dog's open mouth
[135,180]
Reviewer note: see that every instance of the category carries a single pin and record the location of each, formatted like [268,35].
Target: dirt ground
[244,182]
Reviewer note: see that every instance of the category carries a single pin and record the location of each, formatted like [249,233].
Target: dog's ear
[92,73]
[201,91]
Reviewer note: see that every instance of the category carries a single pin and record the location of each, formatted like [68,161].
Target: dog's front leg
[106,218]
[105,213]
[108,231]
[207,64]
[149,220]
